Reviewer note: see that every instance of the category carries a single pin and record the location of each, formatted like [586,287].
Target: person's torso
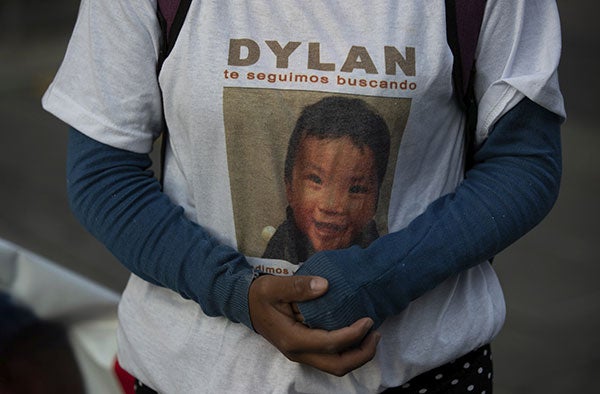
[234,87]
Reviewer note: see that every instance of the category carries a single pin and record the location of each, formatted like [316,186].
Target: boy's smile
[333,191]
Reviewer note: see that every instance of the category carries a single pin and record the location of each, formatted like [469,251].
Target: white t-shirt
[235,83]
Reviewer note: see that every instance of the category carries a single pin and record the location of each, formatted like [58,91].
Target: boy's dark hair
[337,117]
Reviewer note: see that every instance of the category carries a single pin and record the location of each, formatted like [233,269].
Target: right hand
[338,352]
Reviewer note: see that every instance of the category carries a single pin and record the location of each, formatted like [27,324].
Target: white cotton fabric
[107,88]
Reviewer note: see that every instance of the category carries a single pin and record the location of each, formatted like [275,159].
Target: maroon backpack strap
[171,15]
[463,23]
[167,9]
[463,20]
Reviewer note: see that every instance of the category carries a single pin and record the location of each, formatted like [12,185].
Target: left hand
[274,316]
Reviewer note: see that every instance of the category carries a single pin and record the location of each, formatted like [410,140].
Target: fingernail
[318,284]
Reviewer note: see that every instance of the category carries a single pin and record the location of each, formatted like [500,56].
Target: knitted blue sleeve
[510,189]
[114,195]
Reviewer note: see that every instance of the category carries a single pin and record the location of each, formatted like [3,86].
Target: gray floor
[549,344]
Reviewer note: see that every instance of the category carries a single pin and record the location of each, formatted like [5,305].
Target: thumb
[304,288]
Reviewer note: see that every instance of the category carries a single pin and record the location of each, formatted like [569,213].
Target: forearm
[115,196]
[510,189]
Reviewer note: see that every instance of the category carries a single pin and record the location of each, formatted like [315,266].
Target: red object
[125,378]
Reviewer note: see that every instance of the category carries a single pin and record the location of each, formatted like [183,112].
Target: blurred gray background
[550,342]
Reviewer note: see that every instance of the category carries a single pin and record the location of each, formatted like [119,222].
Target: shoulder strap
[171,15]
[463,23]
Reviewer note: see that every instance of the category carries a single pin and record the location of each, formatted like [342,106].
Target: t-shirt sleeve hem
[501,98]
[69,111]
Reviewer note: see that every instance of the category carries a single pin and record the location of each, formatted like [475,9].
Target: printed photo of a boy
[335,164]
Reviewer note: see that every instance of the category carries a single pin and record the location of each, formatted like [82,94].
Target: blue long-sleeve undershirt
[115,196]
[511,187]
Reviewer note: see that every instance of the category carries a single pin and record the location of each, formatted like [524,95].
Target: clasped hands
[274,315]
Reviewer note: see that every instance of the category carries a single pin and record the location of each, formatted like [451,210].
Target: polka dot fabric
[472,373]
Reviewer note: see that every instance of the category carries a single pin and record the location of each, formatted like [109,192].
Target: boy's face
[333,191]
